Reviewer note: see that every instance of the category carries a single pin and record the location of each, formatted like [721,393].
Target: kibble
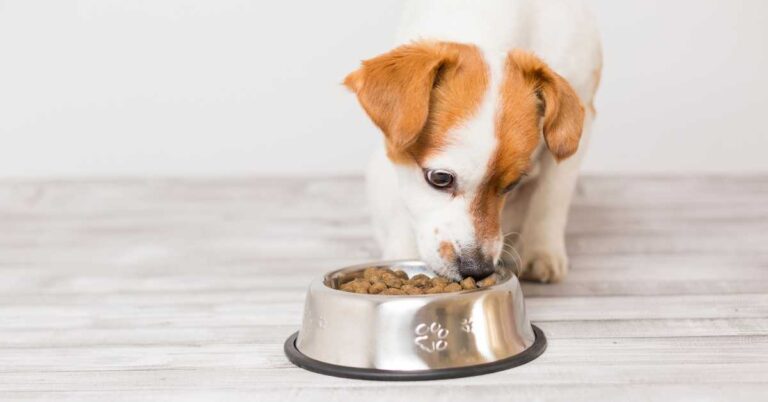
[434,290]
[393,292]
[401,274]
[488,281]
[377,288]
[468,283]
[452,287]
[384,281]
[420,280]
[439,281]
[393,282]
[372,274]
[412,290]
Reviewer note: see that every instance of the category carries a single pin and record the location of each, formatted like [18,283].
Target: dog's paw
[545,266]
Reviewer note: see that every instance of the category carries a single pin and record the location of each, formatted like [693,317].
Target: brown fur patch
[564,115]
[486,213]
[530,91]
[446,251]
[416,93]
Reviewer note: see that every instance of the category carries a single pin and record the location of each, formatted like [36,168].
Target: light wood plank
[154,289]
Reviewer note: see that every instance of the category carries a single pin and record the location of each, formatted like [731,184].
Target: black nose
[473,263]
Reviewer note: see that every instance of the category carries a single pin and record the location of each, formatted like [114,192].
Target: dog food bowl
[419,337]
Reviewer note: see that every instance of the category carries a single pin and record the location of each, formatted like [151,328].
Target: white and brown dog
[485,111]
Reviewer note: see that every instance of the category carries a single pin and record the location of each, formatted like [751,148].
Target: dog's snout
[474,263]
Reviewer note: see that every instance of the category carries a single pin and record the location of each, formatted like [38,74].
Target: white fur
[411,218]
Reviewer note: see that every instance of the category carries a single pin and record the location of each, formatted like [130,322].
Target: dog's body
[483,97]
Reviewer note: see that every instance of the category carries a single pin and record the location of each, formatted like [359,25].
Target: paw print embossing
[466,325]
[431,338]
[313,319]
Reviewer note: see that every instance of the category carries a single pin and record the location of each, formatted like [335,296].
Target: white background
[227,87]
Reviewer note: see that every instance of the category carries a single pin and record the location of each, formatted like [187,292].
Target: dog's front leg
[391,225]
[399,242]
[542,238]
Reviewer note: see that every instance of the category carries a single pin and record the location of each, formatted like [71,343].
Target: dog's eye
[513,185]
[440,179]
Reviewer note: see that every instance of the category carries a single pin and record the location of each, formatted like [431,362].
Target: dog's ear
[562,112]
[395,89]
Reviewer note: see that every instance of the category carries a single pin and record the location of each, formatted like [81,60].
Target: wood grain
[155,290]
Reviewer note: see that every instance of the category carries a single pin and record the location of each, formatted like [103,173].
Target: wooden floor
[156,290]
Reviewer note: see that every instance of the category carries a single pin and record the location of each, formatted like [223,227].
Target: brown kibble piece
[393,282]
[357,285]
[401,274]
[388,275]
[377,288]
[371,273]
[452,287]
[435,290]
[347,287]
[392,292]
[439,281]
[468,283]
[385,271]
[411,290]
[360,283]
[488,281]
[421,281]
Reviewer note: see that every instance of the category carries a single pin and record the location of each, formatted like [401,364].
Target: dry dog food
[384,281]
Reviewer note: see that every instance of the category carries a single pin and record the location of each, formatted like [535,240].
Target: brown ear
[563,113]
[394,89]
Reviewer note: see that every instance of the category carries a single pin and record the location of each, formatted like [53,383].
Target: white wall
[166,87]
[684,87]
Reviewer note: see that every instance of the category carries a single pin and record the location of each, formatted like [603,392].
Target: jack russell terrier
[486,109]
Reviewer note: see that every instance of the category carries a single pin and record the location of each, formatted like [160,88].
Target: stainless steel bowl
[417,337]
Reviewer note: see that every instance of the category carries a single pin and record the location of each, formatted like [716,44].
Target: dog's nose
[473,263]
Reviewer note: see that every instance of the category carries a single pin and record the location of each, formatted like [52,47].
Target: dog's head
[461,130]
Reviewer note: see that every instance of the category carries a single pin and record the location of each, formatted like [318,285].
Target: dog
[486,108]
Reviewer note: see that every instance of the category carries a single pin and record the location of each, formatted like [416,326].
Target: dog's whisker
[511,233]
[510,250]
[515,257]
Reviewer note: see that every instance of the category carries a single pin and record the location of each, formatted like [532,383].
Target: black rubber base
[299,359]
